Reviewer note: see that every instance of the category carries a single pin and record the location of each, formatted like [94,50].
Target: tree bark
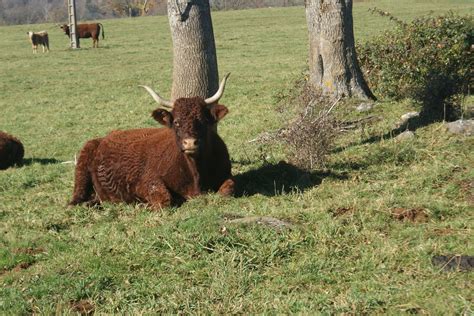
[144,10]
[333,64]
[195,70]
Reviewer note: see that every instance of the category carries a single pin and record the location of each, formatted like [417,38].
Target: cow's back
[89,30]
[124,158]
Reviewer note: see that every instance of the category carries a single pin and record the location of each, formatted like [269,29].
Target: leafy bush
[429,59]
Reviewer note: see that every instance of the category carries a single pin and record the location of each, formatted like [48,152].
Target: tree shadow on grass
[276,179]
[41,161]
[412,124]
[378,156]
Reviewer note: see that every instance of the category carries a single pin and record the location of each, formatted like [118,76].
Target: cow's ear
[163,117]
[218,111]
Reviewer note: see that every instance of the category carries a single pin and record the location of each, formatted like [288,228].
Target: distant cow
[39,38]
[86,31]
[158,166]
[11,151]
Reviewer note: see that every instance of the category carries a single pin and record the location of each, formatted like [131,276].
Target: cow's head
[192,119]
[65,28]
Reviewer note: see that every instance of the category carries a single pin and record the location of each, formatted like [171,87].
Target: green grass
[128,259]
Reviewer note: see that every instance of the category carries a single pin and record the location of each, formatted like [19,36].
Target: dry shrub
[308,138]
[311,135]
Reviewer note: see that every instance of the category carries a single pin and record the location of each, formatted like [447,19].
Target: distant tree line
[41,11]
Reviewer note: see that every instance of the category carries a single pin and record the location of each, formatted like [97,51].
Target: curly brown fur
[83,190]
[157,166]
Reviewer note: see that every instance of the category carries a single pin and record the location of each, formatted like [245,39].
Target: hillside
[346,250]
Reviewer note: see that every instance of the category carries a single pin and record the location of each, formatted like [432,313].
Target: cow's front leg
[227,188]
[155,194]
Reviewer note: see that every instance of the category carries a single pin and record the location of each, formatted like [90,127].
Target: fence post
[72,23]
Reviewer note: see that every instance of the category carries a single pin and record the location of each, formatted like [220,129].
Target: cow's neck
[194,170]
[199,166]
[206,162]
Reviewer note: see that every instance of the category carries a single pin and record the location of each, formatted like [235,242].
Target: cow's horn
[219,92]
[165,103]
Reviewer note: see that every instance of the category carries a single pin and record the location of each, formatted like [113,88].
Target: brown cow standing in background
[11,151]
[158,166]
[86,31]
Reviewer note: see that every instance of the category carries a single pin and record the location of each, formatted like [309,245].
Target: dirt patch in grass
[453,262]
[83,307]
[443,231]
[22,266]
[415,215]
[18,267]
[341,211]
[29,251]
[467,188]
[448,231]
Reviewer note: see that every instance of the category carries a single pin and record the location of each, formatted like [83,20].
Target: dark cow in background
[86,31]
[11,151]
[158,166]
[39,38]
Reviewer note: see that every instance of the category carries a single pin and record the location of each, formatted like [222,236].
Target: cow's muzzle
[190,146]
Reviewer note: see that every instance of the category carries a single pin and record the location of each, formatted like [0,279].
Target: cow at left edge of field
[11,151]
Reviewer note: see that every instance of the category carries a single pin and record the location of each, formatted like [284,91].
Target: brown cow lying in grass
[11,151]
[158,166]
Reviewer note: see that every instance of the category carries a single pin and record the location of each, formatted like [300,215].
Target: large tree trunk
[333,62]
[194,51]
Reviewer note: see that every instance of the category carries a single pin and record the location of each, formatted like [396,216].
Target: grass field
[345,252]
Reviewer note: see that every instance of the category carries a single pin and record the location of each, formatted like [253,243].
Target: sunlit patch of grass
[344,252]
